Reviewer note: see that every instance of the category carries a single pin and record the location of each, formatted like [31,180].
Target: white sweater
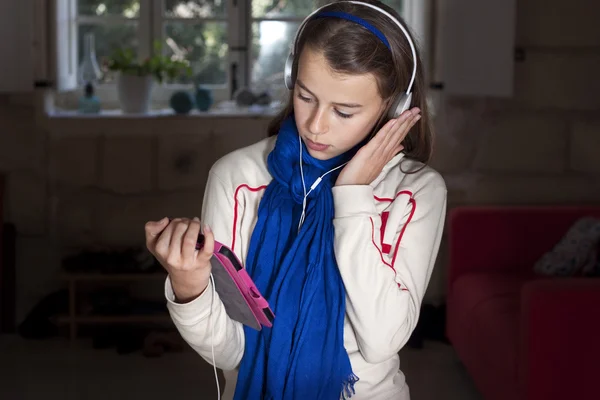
[387,237]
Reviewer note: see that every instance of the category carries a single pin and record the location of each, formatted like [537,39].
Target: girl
[336,217]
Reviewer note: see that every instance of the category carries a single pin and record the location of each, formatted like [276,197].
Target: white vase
[135,93]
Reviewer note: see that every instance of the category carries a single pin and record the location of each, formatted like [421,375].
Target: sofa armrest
[560,333]
[506,238]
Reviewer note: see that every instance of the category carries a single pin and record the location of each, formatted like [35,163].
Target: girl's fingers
[206,253]
[402,129]
[162,244]
[384,136]
[394,131]
[385,131]
[175,245]
[190,238]
[153,229]
[404,119]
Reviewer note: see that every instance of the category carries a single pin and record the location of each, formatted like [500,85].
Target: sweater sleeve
[384,292]
[203,322]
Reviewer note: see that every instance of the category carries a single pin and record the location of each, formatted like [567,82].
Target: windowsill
[248,112]
[158,122]
[65,104]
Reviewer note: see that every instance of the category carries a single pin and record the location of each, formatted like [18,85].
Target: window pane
[270,48]
[195,8]
[278,8]
[204,44]
[271,39]
[299,8]
[99,8]
[108,38]
[395,4]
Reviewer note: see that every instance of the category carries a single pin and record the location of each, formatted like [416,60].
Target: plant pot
[135,93]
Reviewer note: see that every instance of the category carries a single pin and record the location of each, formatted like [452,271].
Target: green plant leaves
[158,65]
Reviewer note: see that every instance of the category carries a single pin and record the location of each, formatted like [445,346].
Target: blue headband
[360,21]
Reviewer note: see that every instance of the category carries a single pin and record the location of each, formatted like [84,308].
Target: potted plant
[135,80]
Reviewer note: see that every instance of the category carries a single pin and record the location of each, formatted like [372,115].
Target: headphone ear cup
[288,71]
[401,104]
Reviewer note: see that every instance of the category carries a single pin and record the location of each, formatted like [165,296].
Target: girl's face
[333,112]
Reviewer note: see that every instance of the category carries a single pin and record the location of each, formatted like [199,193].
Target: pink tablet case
[242,300]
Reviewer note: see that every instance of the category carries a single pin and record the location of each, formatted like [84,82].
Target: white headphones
[403,101]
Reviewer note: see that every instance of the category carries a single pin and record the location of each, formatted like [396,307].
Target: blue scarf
[302,356]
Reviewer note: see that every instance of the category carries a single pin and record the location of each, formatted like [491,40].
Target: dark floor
[55,369]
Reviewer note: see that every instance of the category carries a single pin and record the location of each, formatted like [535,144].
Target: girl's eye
[341,114]
[309,100]
[304,99]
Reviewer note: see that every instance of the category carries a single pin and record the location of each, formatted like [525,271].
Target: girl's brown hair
[351,49]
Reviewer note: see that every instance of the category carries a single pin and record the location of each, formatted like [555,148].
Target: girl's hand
[369,161]
[174,246]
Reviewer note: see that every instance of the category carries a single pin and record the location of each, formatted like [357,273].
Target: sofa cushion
[575,254]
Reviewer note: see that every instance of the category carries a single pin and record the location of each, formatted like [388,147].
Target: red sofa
[521,336]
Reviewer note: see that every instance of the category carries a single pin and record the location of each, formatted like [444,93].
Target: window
[274,24]
[114,23]
[230,43]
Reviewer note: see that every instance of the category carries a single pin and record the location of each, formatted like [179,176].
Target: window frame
[239,19]
[150,26]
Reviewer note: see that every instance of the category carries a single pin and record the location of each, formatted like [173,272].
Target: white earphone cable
[303,186]
[313,186]
[212,337]
[301,171]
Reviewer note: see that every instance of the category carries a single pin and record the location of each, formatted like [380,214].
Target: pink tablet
[243,302]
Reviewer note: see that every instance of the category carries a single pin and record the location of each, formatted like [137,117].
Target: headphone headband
[358,20]
[378,9]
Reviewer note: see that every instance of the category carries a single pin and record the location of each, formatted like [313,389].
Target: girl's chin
[320,155]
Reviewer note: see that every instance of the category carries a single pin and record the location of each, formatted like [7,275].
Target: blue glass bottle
[89,102]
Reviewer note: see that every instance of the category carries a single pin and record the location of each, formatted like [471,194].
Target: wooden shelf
[81,278]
